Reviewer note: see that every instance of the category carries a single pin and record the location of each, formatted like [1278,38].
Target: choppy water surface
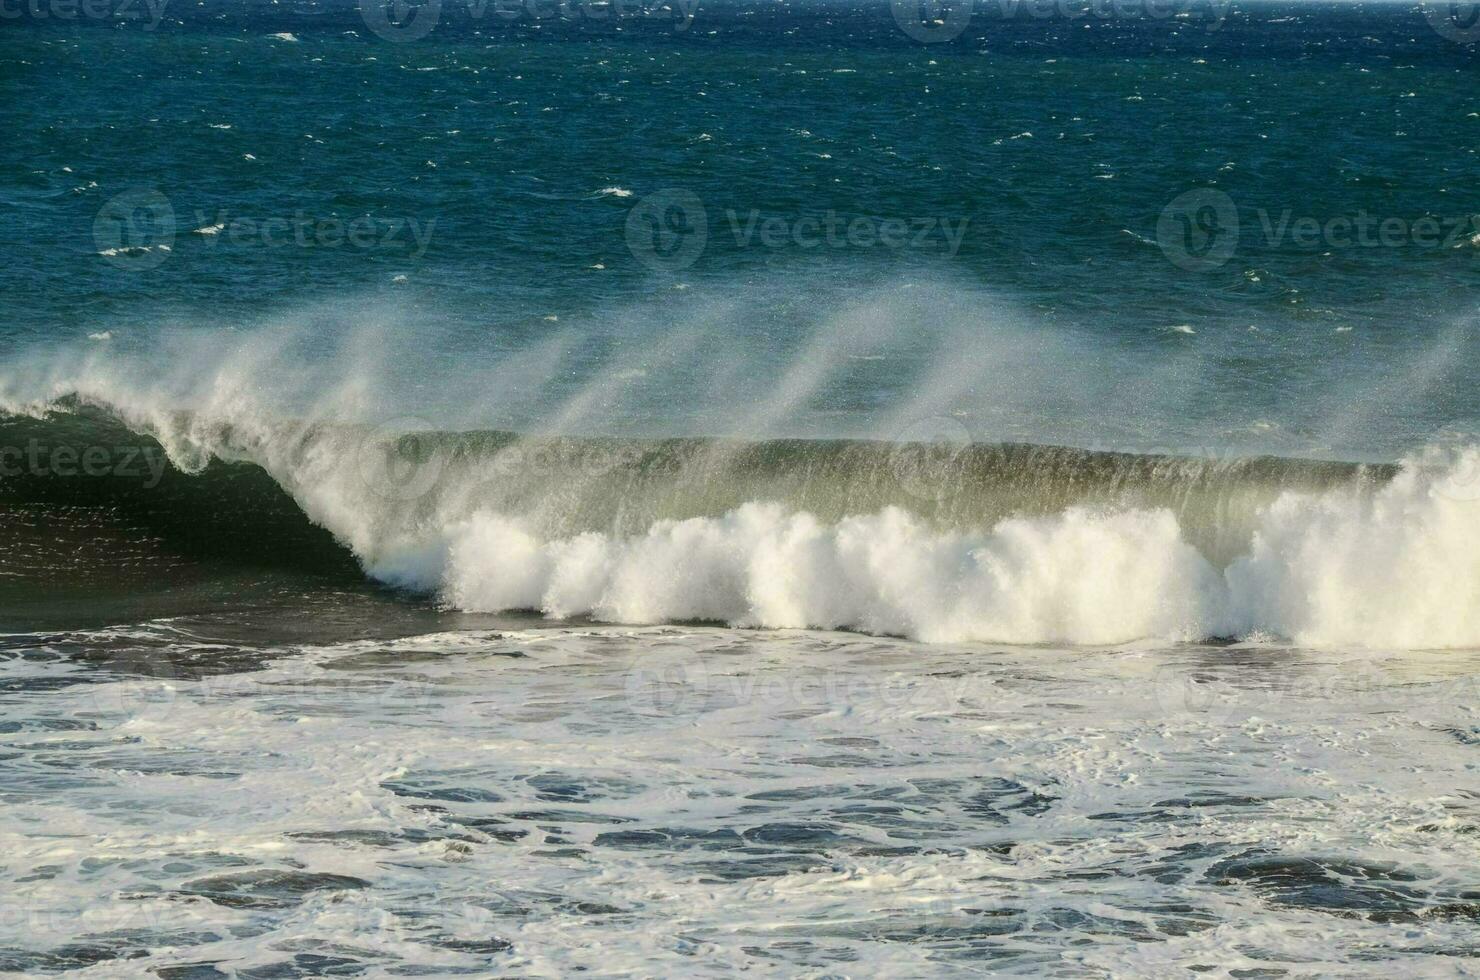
[634,801]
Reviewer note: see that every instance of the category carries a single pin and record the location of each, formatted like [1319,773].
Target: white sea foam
[672,801]
[1391,565]
[132,250]
[1399,567]
[1075,578]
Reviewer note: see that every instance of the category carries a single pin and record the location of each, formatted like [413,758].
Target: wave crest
[961,542]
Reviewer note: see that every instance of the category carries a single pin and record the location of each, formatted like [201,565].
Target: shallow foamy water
[684,799]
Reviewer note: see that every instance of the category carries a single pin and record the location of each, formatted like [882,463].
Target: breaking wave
[936,541]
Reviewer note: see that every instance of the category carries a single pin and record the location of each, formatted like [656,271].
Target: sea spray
[966,539]
[1085,547]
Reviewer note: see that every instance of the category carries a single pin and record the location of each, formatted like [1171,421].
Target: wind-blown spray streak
[1020,544]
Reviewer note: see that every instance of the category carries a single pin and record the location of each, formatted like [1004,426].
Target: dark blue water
[1118,179]
[493,141]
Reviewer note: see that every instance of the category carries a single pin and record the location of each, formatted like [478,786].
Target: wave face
[935,541]
[1016,544]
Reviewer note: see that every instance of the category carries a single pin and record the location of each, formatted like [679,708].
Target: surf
[941,543]
[849,476]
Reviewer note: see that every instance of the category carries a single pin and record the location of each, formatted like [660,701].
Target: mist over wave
[916,515]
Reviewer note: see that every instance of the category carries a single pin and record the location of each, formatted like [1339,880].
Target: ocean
[831,488]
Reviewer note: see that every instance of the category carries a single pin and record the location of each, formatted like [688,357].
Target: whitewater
[939,539]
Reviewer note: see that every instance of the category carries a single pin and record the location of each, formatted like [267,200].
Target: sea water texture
[810,489]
